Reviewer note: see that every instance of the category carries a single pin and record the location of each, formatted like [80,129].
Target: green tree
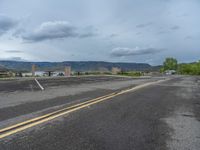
[190,69]
[170,64]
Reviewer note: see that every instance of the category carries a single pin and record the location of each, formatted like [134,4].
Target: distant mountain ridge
[75,65]
[3,68]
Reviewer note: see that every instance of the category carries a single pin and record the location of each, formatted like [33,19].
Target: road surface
[157,116]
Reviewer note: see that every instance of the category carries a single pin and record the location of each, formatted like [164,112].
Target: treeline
[189,69]
[186,69]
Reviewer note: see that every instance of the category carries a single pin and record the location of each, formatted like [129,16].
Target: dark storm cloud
[120,51]
[57,30]
[175,27]
[6,24]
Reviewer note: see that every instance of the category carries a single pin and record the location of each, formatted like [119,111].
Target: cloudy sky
[100,30]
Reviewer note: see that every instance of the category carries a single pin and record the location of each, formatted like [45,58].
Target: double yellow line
[50,116]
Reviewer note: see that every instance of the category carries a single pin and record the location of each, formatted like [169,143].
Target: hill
[2,69]
[75,65]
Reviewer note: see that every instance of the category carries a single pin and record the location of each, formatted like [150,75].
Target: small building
[116,70]
[48,73]
[67,71]
[170,72]
[27,74]
[33,69]
[103,70]
[4,72]
[18,74]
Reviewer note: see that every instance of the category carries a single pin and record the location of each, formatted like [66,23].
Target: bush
[131,73]
[189,69]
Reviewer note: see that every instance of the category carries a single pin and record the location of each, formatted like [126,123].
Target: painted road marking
[41,87]
[49,114]
[42,119]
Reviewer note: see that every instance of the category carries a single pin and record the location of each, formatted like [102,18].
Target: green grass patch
[131,73]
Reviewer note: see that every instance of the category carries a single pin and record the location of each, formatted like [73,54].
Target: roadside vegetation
[131,73]
[91,73]
[121,73]
[183,68]
[189,69]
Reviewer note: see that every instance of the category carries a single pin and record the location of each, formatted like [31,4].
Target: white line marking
[39,84]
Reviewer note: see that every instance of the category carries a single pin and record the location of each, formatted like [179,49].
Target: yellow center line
[50,116]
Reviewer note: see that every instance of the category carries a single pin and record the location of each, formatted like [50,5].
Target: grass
[131,74]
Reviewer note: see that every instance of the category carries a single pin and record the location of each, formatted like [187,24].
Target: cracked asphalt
[163,116]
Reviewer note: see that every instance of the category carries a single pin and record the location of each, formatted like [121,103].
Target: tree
[170,64]
[190,69]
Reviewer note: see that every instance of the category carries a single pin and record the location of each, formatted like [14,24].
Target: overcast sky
[100,30]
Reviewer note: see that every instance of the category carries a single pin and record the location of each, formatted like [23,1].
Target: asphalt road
[30,85]
[162,116]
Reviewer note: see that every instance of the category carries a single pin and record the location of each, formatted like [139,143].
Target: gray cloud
[122,51]
[193,37]
[17,58]
[13,59]
[13,51]
[51,30]
[88,32]
[189,37]
[58,30]
[18,32]
[163,32]
[175,27]
[113,35]
[144,25]
[138,33]
[183,15]
[6,24]
[136,22]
